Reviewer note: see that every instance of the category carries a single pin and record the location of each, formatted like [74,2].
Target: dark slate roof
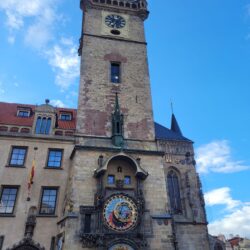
[175,126]
[163,133]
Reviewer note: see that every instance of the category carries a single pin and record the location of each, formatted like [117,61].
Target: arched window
[43,125]
[174,192]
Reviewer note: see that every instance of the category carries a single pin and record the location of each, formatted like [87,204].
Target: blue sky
[199,56]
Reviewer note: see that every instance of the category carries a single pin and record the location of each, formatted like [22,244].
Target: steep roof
[163,133]
[175,126]
[8,115]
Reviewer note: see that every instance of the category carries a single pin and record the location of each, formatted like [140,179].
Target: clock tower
[132,182]
[114,60]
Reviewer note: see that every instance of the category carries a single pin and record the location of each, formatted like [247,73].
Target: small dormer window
[43,125]
[65,117]
[23,112]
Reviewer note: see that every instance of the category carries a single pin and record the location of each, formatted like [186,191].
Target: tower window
[111,179]
[127,180]
[115,72]
[174,192]
[43,125]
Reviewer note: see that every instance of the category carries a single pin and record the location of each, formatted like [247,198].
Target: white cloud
[221,196]
[216,157]
[38,20]
[236,223]
[65,62]
[38,36]
[237,219]
[57,103]
[17,10]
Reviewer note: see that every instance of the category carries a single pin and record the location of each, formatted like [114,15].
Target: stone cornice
[115,150]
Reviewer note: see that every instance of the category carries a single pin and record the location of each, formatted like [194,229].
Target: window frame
[11,154]
[41,201]
[65,114]
[61,160]
[43,121]
[173,199]
[111,184]
[113,63]
[130,180]
[3,187]
[23,110]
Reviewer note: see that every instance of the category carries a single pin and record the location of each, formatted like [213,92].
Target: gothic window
[119,169]
[174,192]
[115,72]
[55,158]
[17,157]
[111,179]
[43,125]
[48,201]
[8,200]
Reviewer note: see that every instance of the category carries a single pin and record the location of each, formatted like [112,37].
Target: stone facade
[137,191]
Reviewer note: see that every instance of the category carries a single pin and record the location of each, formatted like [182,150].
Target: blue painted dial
[115,21]
[120,213]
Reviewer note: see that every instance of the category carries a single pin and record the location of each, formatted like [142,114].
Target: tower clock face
[120,213]
[115,21]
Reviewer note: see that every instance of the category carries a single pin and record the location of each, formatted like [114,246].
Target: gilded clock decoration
[120,213]
[115,21]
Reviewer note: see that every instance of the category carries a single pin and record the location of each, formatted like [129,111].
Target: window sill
[7,215]
[53,168]
[15,166]
[47,216]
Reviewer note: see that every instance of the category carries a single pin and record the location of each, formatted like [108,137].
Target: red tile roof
[8,116]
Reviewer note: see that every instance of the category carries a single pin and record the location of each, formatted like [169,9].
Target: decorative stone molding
[26,244]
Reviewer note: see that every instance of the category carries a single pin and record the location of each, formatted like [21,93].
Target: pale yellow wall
[13,227]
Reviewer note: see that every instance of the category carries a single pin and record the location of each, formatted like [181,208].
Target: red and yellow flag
[32,174]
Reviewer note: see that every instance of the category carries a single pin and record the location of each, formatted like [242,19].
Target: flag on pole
[31,175]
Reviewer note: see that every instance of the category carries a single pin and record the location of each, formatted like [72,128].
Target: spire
[117,106]
[175,126]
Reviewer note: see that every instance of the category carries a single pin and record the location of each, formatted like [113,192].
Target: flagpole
[31,175]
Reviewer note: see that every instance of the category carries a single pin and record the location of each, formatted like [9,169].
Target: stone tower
[132,182]
[114,60]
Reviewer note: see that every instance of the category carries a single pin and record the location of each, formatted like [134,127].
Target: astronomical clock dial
[121,247]
[120,213]
[115,21]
